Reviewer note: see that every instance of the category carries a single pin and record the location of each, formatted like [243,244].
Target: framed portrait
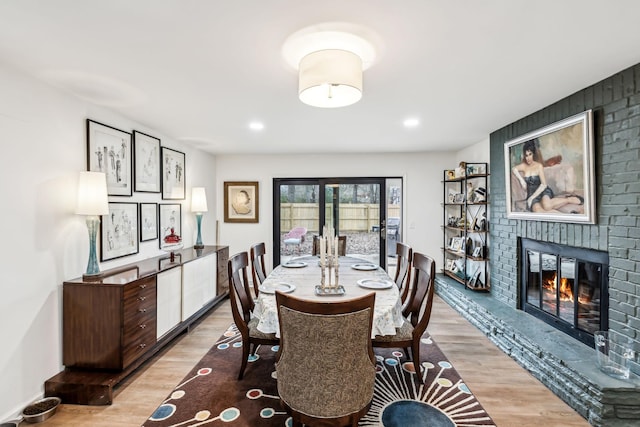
[148,221]
[146,170]
[456,244]
[173,170]
[109,151]
[550,172]
[170,217]
[119,231]
[241,202]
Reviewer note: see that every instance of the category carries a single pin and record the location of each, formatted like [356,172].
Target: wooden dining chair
[258,270]
[342,245]
[402,277]
[325,366]
[418,313]
[241,307]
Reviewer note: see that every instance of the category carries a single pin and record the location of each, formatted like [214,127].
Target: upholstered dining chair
[325,365]
[258,270]
[241,306]
[342,245]
[418,312]
[403,271]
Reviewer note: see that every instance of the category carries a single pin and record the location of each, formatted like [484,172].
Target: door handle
[383,233]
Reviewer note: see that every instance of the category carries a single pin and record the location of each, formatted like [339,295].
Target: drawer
[139,325]
[140,288]
[138,347]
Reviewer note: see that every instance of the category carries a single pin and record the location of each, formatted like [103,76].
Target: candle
[322,249]
[335,245]
[329,246]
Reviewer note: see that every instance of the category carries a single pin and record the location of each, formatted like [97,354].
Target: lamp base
[92,277]
[198,246]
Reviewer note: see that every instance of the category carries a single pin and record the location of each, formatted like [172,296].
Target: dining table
[358,277]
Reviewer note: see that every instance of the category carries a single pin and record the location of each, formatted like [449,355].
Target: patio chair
[295,237]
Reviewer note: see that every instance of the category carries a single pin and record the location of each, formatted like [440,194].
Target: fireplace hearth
[567,287]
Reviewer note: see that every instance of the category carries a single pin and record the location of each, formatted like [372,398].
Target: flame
[566,293]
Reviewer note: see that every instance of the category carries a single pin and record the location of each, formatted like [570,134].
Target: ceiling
[200,71]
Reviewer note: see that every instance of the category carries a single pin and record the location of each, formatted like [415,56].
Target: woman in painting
[241,203]
[530,175]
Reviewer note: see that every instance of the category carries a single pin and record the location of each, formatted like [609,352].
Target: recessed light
[411,123]
[256,126]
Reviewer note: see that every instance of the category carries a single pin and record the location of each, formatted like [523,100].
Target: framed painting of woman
[549,173]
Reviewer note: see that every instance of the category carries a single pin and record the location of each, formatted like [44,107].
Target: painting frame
[173,169]
[169,215]
[146,163]
[103,156]
[567,169]
[148,216]
[241,202]
[119,231]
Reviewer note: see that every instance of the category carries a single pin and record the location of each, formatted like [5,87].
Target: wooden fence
[353,217]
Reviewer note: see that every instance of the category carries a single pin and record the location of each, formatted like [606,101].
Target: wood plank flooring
[510,395]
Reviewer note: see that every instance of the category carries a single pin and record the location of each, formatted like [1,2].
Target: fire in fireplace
[565,286]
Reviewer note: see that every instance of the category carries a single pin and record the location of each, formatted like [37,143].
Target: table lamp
[198,206]
[92,202]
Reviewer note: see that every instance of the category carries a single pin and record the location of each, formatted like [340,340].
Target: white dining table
[388,306]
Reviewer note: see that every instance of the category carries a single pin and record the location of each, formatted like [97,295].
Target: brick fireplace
[565,364]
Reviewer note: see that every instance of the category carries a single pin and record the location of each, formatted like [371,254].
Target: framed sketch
[119,231]
[458,198]
[109,151]
[170,217]
[146,170]
[241,202]
[173,171]
[477,252]
[148,221]
[550,172]
[456,244]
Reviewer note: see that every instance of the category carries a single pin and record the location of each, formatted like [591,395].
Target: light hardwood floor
[510,395]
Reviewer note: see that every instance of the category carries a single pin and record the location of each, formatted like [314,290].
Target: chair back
[342,245]
[326,365]
[419,310]
[403,270]
[258,269]
[241,301]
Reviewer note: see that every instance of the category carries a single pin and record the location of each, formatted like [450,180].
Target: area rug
[211,394]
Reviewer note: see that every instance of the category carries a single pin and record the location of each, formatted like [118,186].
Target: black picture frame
[148,215]
[173,174]
[119,231]
[169,216]
[146,163]
[109,151]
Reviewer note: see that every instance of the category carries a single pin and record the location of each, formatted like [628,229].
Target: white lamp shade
[330,78]
[198,199]
[92,194]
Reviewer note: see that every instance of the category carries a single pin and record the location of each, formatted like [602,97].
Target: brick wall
[615,102]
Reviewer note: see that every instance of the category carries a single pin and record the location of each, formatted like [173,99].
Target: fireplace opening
[565,286]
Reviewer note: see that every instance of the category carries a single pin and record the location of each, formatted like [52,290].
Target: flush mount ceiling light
[330,59]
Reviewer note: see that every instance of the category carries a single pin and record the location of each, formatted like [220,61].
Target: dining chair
[258,270]
[418,312]
[241,307]
[403,271]
[342,245]
[325,366]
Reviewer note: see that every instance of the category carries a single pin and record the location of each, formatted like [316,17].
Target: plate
[271,288]
[294,264]
[375,283]
[364,267]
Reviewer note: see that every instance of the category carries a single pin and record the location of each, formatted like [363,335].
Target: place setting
[271,288]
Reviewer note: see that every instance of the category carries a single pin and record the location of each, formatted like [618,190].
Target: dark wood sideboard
[118,320]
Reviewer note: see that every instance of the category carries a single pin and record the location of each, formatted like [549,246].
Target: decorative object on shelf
[170,219]
[148,221]
[561,156]
[109,151]
[173,174]
[92,202]
[119,231]
[171,243]
[330,58]
[241,202]
[198,206]
[146,169]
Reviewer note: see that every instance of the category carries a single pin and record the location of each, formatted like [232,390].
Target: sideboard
[116,321]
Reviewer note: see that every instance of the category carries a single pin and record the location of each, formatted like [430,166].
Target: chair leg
[415,353]
[245,356]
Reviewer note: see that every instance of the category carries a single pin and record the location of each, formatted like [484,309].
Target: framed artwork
[148,221]
[241,202]
[550,172]
[119,231]
[456,244]
[109,151]
[146,170]
[173,170]
[170,217]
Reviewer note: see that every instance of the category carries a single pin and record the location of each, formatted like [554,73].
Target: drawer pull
[143,345]
[142,326]
[143,286]
[142,310]
[142,298]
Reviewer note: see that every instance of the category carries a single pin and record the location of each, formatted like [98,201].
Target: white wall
[43,242]
[421,172]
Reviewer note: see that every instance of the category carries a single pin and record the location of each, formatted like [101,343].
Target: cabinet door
[198,284]
[169,305]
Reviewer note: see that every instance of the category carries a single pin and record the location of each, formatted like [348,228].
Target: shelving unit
[465,225]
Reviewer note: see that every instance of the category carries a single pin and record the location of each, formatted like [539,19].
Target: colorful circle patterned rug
[211,395]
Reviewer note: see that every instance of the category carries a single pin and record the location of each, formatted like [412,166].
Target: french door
[355,207]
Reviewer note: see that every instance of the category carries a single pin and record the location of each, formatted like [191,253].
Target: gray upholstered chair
[325,366]
[258,270]
[241,307]
[418,312]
